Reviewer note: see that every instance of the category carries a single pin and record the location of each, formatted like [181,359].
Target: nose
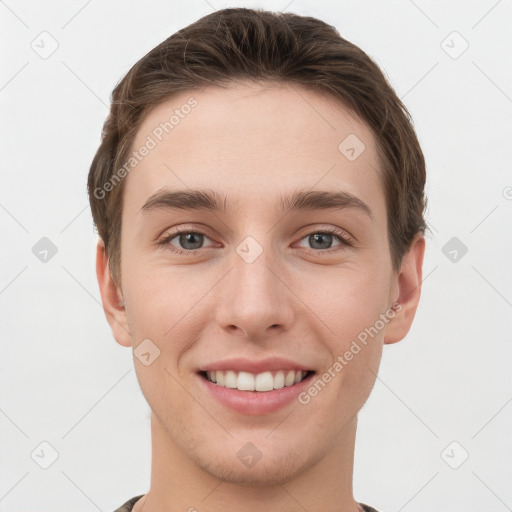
[255,302]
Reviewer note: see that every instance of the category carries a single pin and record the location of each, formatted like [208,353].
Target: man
[258,194]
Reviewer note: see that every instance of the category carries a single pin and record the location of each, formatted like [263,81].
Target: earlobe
[111,297]
[409,291]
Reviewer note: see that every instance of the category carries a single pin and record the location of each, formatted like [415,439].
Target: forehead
[254,144]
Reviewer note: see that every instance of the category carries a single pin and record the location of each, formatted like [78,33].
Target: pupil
[318,236]
[189,237]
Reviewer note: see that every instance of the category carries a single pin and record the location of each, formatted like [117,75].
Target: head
[300,216]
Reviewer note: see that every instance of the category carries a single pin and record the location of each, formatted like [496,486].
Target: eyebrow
[211,201]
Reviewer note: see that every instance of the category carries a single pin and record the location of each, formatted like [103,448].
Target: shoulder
[128,506]
[366,508]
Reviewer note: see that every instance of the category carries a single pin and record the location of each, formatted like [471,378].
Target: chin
[267,471]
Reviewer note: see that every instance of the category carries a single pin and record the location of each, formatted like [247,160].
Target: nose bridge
[254,299]
[255,284]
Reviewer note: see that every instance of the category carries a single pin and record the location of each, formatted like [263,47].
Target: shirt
[128,506]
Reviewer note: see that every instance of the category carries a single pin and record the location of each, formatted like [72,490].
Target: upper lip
[254,366]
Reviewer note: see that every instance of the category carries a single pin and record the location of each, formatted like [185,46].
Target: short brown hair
[253,44]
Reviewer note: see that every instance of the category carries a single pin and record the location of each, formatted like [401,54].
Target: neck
[178,484]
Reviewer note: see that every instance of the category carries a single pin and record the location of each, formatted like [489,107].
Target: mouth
[254,386]
[265,381]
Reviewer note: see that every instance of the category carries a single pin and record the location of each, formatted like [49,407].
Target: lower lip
[255,402]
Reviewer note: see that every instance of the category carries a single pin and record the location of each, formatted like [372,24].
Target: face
[275,285]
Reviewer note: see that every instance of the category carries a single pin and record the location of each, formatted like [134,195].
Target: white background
[64,379]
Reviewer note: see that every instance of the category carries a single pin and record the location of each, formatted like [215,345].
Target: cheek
[157,299]
[165,308]
[351,307]
[349,302]
[160,316]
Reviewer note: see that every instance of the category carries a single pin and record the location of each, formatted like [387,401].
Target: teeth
[279,380]
[245,381]
[220,378]
[231,380]
[290,378]
[266,381]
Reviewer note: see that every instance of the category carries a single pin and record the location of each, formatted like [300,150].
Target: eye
[321,240]
[189,241]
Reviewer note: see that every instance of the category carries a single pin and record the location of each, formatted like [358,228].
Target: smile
[264,381]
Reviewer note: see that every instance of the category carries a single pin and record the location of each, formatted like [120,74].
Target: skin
[254,143]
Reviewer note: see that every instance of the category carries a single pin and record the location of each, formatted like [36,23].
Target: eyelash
[340,234]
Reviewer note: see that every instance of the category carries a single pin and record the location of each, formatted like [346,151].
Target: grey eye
[190,241]
[320,240]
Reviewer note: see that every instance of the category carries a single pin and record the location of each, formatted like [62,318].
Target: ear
[409,291]
[112,298]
